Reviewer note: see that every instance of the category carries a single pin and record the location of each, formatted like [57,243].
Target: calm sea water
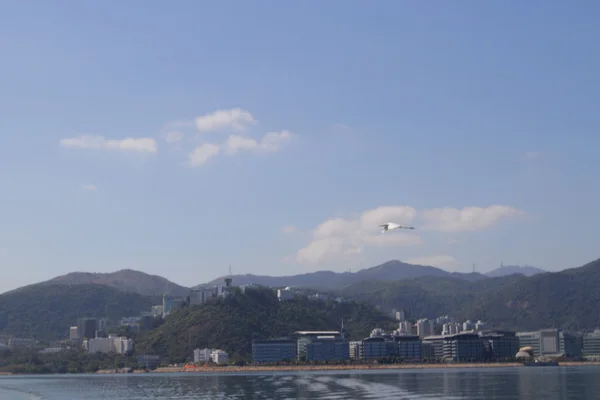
[548,383]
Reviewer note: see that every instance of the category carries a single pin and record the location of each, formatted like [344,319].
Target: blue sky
[474,121]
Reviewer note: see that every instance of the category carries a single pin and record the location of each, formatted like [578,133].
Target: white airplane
[390,225]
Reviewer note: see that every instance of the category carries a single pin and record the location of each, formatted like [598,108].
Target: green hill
[45,312]
[127,280]
[231,323]
[567,299]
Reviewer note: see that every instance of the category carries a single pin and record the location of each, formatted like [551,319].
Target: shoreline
[308,368]
[292,368]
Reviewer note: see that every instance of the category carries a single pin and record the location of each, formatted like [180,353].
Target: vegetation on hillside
[46,312]
[127,280]
[69,361]
[232,323]
[566,299]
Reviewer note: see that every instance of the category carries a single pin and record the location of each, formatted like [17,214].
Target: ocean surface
[547,383]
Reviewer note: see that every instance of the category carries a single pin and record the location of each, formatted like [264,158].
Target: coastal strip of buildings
[464,346]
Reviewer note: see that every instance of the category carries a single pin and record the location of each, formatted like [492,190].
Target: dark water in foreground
[547,383]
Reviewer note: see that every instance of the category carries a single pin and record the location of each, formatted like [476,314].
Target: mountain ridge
[127,280]
[505,270]
[387,271]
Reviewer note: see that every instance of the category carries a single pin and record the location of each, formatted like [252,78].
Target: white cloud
[531,155]
[339,237]
[173,136]
[89,187]
[100,142]
[466,219]
[202,154]
[440,261]
[270,142]
[234,119]
[289,229]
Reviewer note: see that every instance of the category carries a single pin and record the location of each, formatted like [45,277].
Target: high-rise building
[425,328]
[87,327]
[74,333]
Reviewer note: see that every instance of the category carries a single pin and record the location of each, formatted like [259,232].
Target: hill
[566,299]
[232,323]
[126,280]
[514,269]
[389,271]
[45,312]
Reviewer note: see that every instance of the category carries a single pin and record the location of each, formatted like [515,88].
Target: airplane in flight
[390,226]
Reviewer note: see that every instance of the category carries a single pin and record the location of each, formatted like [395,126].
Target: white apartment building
[202,355]
[111,344]
[425,327]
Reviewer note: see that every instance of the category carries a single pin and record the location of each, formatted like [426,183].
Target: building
[468,325]
[202,356]
[327,350]
[200,296]
[87,327]
[425,327]
[74,333]
[591,344]
[554,342]
[274,350]
[321,346]
[428,351]
[148,361]
[451,328]
[373,348]
[171,303]
[219,357]
[157,311]
[571,344]
[402,315]
[499,345]
[406,328]
[111,344]
[408,347]
[102,325]
[355,349]
[285,294]
[463,347]
[434,347]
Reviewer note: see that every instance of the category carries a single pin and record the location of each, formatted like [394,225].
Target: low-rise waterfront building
[274,350]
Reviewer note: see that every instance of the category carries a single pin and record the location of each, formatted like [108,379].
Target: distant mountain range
[505,270]
[390,271]
[128,280]
[566,299]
